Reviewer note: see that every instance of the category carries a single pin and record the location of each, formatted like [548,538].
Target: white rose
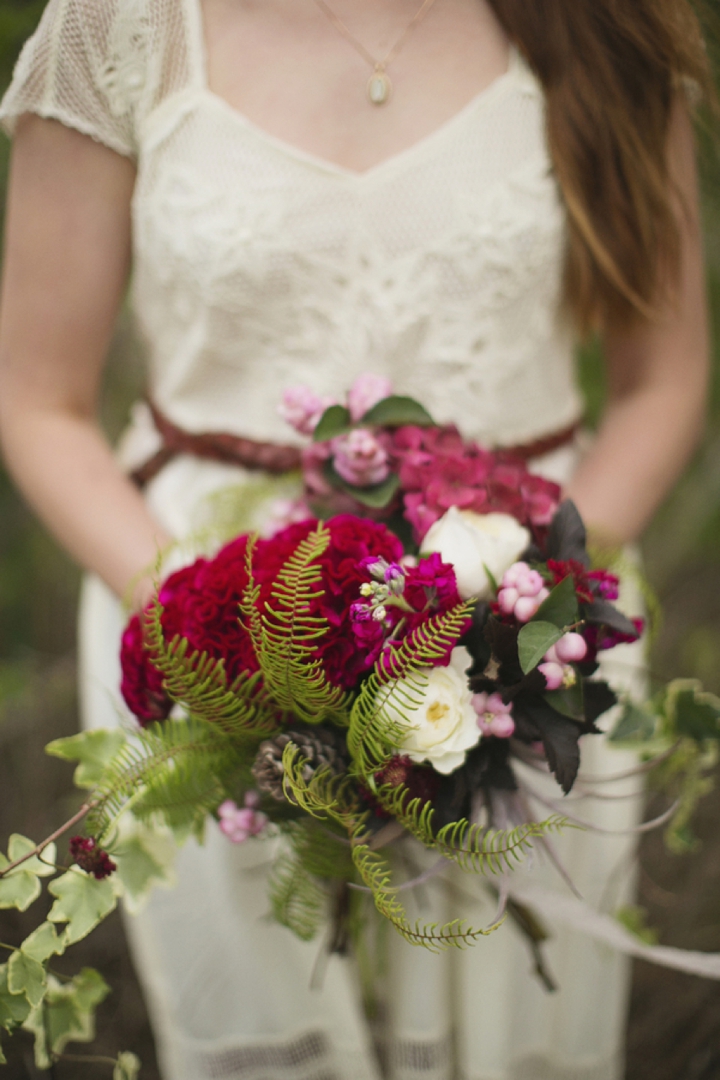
[472,542]
[443,727]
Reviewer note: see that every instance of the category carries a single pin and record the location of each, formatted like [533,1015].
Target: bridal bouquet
[388,659]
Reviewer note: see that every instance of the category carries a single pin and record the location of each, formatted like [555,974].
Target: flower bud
[571,648]
[554,675]
[507,599]
[526,607]
[530,583]
[360,459]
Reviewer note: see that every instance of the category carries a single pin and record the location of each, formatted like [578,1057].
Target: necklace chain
[379,85]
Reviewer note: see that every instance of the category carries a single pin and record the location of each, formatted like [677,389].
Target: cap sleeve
[86,65]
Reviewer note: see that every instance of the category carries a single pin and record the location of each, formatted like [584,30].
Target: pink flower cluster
[523,591]
[570,649]
[240,823]
[439,469]
[494,716]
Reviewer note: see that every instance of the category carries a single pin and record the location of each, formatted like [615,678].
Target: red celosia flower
[85,852]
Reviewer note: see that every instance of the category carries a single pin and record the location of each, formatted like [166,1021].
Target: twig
[84,809]
[86,1059]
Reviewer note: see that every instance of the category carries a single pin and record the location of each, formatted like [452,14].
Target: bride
[446,194]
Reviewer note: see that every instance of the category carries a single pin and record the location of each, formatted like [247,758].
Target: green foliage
[285,635]
[396,686]
[333,422]
[534,640]
[396,411]
[82,902]
[561,606]
[93,749]
[375,496]
[634,919]
[127,1067]
[200,683]
[296,899]
[21,887]
[66,1014]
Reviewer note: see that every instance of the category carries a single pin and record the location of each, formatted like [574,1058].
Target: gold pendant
[379,87]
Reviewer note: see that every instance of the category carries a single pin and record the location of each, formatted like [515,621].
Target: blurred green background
[674,1031]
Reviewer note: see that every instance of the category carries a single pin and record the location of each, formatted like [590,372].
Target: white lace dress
[258,266]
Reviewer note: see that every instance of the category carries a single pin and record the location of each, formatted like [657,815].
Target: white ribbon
[557,907]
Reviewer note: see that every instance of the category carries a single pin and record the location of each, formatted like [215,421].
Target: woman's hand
[66,265]
[657,384]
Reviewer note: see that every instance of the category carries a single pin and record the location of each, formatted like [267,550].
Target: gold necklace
[379,86]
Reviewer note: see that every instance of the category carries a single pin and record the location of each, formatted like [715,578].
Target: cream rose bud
[472,542]
[443,726]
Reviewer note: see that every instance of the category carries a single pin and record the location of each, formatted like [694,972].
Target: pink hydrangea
[302,408]
[240,823]
[360,458]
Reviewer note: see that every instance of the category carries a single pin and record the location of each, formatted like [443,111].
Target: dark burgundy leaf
[567,538]
[603,613]
[598,699]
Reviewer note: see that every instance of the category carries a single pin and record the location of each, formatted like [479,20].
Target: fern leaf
[296,899]
[399,679]
[286,635]
[165,768]
[471,847]
[200,682]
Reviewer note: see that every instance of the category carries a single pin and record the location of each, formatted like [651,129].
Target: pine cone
[321,746]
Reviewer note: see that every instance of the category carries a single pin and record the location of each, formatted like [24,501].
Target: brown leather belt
[276,458]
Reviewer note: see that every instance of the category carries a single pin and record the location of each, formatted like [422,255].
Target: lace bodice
[258,266]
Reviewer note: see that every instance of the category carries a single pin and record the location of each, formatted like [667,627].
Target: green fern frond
[324,796]
[286,636]
[398,683]
[296,899]
[200,682]
[324,853]
[375,873]
[471,847]
[164,768]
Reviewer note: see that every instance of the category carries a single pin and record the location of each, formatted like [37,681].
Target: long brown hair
[611,71]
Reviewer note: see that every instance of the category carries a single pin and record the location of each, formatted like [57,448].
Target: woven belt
[275,457]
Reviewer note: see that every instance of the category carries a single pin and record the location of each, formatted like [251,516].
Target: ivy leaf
[534,640]
[396,411]
[145,858]
[21,887]
[633,723]
[14,1008]
[26,976]
[44,943]
[66,1015]
[561,606]
[333,422]
[93,749]
[82,902]
[694,713]
[127,1067]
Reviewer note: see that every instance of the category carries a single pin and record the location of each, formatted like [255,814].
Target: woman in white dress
[286,227]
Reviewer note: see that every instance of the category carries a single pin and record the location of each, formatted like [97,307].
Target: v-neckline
[292,150]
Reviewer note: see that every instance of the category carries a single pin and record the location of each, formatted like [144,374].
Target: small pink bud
[252,799]
[571,648]
[530,584]
[552,655]
[507,599]
[367,390]
[301,407]
[513,574]
[360,459]
[502,727]
[240,824]
[543,595]
[554,675]
[526,608]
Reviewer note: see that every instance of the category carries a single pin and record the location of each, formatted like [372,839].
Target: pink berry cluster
[494,717]
[522,592]
[570,649]
[240,823]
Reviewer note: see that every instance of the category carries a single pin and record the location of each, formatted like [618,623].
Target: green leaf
[44,943]
[82,902]
[693,712]
[26,976]
[634,723]
[634,919]
[561,606]
[21,887]
[127,1067]
[14,1008]
[395,411]
[66,1015]
[93,749]
[145,858]
[534,640]
[568,701]
[377,496]
[333,422]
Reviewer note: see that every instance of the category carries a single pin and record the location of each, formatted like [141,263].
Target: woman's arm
[657,384]
[67,256]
